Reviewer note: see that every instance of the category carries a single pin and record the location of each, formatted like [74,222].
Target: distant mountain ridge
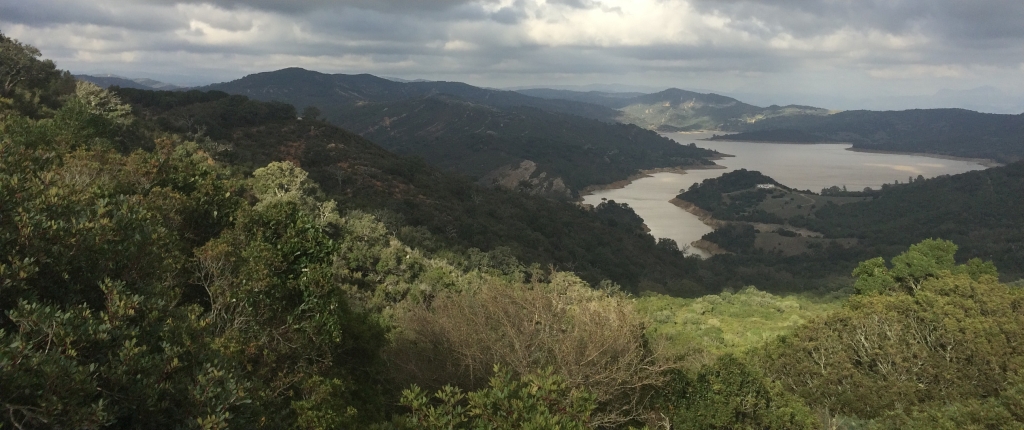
[107,81]
[332,93]
[341,99]
[678,110]
[542,146]
[521,147]
[954,132]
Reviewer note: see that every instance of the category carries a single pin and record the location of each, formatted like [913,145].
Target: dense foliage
[424,206]
[708,194]
[981,211]
[333,94]
[476,139]
[146,283]
[924,337]
[538,401]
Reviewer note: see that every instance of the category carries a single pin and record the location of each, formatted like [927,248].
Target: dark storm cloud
[515,42]
[954,20]
[303,6]
[508,15]
[41,13]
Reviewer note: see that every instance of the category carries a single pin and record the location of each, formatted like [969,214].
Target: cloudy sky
[833,53]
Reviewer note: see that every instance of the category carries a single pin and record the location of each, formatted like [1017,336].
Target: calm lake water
[805,167]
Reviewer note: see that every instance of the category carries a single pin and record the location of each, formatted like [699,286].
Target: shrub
[932,332]
[591,339]
[537,401]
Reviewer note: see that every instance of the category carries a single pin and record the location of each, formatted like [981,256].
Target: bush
[591,339]
[538,401]
[729,394]
[930,333]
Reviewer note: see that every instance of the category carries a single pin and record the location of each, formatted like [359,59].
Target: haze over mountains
[109,80]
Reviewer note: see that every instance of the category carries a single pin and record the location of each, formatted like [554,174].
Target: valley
[310,251]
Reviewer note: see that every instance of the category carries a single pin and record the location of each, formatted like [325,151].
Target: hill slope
[981,211]
[332,94]
[555,153]
[426,207]
[955,132]
[118,81]
[499,137]
[679,110]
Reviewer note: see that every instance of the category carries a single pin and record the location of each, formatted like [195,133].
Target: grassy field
[788,204]
[699,330]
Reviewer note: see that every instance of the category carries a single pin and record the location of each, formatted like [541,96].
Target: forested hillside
[795,234]
[956,132]
[332,94]
[421,204]
[478,140]
[107,81]
[546,147]
[200,260]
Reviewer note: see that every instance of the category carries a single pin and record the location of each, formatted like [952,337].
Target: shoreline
[701,214]
[985,162]
[620,184]
[982,161]
[765,141]
[705,217]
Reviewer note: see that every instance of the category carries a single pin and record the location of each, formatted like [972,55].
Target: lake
[801,166]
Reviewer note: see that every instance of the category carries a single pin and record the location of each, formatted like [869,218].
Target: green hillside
[955,132]
[206,261]
[421,204]
[477,139]
[801,235]
[332,94]
[674,110]
[477,131]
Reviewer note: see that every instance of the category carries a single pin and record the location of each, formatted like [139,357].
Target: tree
[731,394]
[925,331]
[25,80]
[593,340]
[311,113]
[925,260]
[537,401]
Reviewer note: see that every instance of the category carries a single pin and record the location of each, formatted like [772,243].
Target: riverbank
[706,218]
[982,161]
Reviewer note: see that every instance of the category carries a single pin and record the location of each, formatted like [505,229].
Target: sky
[839,54]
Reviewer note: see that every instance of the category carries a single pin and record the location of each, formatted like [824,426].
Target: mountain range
[108,80]
[552,147]
[678,110]
[953,132]
[456,135]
